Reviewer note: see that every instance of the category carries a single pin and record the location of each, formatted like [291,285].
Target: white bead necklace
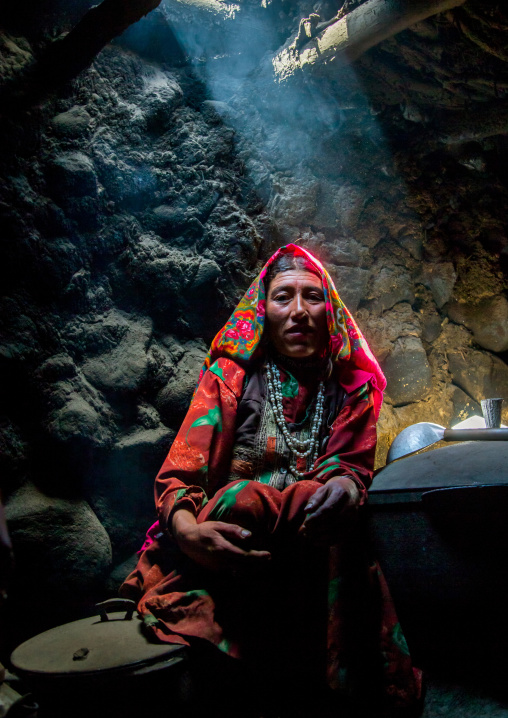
[300,448]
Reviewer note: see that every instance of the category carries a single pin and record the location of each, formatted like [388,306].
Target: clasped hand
[331,511]
[217,545]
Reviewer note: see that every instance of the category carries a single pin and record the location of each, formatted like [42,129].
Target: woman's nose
[298,308]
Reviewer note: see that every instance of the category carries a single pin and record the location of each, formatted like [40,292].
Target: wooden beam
[354,33]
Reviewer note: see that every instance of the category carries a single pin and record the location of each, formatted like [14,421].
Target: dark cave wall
[128,233]
[136,207]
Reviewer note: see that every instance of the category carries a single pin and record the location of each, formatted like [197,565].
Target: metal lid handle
[116,604]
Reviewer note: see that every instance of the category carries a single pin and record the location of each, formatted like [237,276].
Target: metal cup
[491,410]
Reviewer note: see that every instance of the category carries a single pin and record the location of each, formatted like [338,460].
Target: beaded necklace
[300,449]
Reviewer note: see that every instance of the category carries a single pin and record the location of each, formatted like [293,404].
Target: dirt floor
[453,700]
[444,699]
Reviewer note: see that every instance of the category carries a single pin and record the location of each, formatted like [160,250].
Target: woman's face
[296,314]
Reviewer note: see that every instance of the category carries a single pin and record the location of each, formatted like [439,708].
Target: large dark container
[102,666]
[439,522]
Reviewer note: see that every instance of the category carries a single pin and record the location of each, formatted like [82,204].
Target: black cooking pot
[103,664]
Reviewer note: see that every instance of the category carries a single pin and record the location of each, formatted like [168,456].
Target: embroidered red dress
[229,463]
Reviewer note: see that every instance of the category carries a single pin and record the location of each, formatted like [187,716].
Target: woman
[257,549]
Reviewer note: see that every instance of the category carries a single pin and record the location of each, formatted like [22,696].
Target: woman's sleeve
[201,452]
[352,444]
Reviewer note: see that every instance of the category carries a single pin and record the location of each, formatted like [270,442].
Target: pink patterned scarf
[240,338]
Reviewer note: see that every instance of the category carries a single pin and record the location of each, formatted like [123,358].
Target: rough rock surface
[488,320]
[408,371]
[123,366]
[72,123]
[440,279]
[61,548]
[173,399]
[479,374]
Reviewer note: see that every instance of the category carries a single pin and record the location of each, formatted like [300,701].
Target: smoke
[313,147]
[231,50]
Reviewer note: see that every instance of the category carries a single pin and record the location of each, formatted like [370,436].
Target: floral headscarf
[240,338]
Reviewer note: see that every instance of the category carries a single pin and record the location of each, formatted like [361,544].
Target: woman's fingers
[217,546]
[330,511]
[317,499]
[228,556]
[232,530]
[236,551]
[325,499]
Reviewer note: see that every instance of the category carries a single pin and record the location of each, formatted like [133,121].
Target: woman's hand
[331,511]
[215,544]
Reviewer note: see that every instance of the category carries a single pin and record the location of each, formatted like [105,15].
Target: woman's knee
[243,502]
[300,490]
[294,499]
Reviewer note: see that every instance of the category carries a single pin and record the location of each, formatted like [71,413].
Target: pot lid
[92,644]
[472,463]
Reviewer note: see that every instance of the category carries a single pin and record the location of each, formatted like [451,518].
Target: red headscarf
[240,338]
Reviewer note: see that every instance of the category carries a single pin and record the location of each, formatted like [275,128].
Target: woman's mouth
[299,331]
